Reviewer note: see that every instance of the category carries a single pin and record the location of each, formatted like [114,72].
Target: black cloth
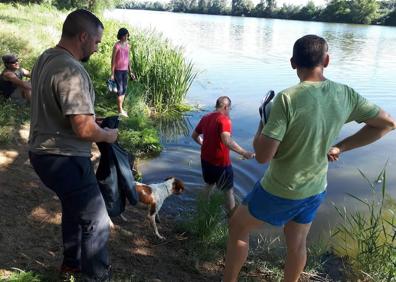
[114,174]
[6,86]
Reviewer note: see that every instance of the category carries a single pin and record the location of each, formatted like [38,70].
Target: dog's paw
[160,237]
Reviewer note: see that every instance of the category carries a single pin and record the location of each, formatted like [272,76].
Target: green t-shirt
[60,87]
[306,119]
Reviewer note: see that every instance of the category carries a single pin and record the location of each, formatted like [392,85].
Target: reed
[368,235]
[162,69]
[207,227]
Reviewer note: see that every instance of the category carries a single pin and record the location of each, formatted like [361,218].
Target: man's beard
[85,59]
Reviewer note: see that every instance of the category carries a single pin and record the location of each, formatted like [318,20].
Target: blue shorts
[121,79]
[222,176]
[279,211]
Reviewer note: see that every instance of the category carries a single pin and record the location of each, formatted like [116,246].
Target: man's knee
[241,221]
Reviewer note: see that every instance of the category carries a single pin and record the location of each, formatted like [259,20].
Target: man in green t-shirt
[297,140]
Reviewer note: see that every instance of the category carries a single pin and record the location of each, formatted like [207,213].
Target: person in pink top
[121,67]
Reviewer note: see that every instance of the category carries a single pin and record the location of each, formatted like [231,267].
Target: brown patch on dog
[152,208]
[178,186]
[145,194]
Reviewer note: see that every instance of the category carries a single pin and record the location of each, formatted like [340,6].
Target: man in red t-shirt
[215,151]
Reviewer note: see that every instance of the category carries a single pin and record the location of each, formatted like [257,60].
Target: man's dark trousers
[85,224]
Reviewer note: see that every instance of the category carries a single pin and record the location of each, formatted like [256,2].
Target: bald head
[223,101]
[81,21]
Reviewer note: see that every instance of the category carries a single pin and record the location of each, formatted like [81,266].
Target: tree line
[91,5]
[342,11]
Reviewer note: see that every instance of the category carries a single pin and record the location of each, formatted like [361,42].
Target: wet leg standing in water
[298,145]
[216,143]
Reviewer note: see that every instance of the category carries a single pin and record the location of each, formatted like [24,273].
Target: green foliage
[207,227]
[22,276]
[162,69]
[351,11]
[164,76]
[368,236]
[345,11]
[11,117]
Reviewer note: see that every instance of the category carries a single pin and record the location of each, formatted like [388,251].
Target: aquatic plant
[162,69]
[368,236]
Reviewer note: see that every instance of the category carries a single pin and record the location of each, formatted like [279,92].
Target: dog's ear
[178,186]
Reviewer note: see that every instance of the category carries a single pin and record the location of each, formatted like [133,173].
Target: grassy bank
[163,74]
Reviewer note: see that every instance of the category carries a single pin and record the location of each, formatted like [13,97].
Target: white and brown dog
[154,195]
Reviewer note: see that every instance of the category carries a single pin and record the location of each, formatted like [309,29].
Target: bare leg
[123,218]
[152,220]
[120,102]
[241,223]
[296,237]
[27,94]
[208,191]
[229,200]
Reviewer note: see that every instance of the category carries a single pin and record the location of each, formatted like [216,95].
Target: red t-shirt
[213,150]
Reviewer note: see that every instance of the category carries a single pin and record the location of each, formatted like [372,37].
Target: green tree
[337,11]
[308,12]
[179,5]
[390,18]
[364,11]
[265,8]
[241,7]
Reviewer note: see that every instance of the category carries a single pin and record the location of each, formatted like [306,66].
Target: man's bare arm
[234,146]
[374,129]
[264,147]
[87,129]
[16,81]
[197,138]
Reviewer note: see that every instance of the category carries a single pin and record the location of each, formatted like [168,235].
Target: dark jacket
[114,174]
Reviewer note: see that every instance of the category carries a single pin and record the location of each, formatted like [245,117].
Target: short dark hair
[9,59]
[309,51]
[80,21]
[122,32]
[221,101]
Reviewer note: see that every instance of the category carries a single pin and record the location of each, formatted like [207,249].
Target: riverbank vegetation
[163,74]
[341,11]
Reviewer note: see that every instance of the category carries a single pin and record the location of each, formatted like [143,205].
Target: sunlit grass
[368,235]
[207,227]
[164,76]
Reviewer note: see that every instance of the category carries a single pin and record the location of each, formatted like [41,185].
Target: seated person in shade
[11,80]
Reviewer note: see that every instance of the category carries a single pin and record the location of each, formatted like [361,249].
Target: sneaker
[68,269]
[67,273]
[123,113]
[265,107]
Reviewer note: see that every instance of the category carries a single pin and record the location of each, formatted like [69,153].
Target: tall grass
[164,76]
[368,236]
[162,69]
[207,227]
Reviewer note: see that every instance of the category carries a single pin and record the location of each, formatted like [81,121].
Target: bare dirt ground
[30,234]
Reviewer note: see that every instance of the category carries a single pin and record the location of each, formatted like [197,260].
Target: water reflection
[173,127]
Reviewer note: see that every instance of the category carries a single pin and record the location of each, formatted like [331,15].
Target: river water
[245,57]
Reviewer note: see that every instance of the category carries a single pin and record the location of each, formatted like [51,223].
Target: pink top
[121,57]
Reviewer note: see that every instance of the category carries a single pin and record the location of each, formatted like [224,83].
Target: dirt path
[30,233]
